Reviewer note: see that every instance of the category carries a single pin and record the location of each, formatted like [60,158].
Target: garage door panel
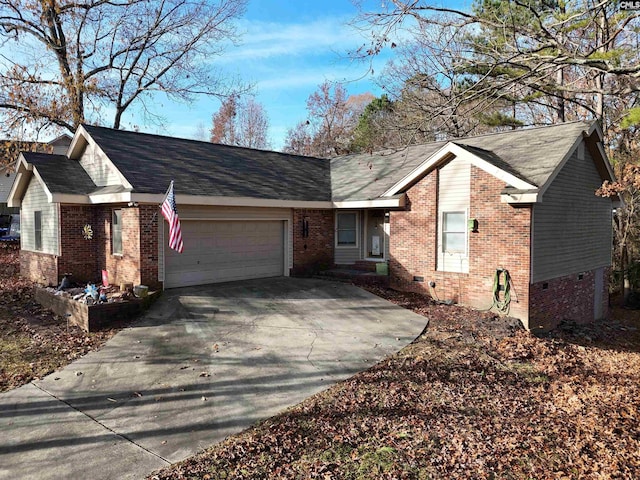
[216,251]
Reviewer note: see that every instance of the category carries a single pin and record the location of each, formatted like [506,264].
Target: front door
[375,235]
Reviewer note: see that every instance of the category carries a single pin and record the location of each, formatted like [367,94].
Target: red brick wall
[78,255]
[139,260]
[566,298]
[314,252]
[86,258]
[123,267]
[412,239]
[39,267]
[148,217]
[502,241]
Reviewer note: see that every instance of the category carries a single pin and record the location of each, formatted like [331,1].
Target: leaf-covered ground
[474,397]
[33,341]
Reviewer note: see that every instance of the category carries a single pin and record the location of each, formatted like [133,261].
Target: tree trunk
[624,267]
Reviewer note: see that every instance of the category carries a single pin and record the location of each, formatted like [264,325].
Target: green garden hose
[502,305]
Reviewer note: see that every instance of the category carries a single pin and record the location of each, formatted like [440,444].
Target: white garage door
[222,251]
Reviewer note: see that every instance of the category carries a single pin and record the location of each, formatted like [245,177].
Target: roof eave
[24,171]
[447,152]
[398,201]
[519,197]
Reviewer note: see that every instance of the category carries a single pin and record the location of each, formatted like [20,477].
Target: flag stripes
[170,212]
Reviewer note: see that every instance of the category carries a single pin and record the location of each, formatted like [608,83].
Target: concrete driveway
[202,364]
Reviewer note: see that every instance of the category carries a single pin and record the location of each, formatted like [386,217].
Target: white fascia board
[398,202]
[70,198]
[22,177]
[12,201]
[44,185]
[78,142]
[530,197]
[158,198]
[452,150]
[122,197]
[83,135]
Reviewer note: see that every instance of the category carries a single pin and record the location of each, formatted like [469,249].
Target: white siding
[195,212]
[572,226]
[99,167]
[35,199]
[454,195]
[348,255]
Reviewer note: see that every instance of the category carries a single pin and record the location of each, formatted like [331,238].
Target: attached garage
[227,250]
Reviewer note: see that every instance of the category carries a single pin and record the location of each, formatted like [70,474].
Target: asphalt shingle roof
[60,174]
[150,162]
[530,154]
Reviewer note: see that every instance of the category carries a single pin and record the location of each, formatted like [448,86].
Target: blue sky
[286,50]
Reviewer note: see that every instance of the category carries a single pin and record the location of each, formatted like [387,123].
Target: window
[454,232]
[116,232]
[37,230]
[347,229]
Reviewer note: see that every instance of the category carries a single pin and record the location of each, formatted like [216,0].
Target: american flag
[170,212]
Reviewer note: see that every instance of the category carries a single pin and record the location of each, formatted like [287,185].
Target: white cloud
[264,40]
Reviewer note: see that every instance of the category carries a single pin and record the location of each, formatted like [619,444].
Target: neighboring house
[445,216]
[6,180]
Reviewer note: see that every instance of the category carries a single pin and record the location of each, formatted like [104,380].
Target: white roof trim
[81,132]
[530,197]
[203,200]
[47,192]
[11,201]
[396,202]
[447,151]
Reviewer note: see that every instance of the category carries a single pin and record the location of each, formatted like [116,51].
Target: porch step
[361,265]
[349,274]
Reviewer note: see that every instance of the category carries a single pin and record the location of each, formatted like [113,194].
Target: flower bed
[92,317]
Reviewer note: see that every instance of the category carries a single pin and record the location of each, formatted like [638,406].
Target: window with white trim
[116,232]
[454,232]
[37,230]
[347,229]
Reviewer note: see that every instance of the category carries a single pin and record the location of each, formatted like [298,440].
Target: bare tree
[551,60]
[299,140]
[224,122]
[241,122]
[253,125]
[333,116]
[68,62]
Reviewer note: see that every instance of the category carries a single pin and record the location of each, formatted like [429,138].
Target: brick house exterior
[413,250]
[445,217]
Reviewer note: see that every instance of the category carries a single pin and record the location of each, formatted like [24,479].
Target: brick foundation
[566,298]
[39,267]
[313,252]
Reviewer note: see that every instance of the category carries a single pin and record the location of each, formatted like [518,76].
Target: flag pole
[164,258]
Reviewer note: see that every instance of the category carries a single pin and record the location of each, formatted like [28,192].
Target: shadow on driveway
[203,363]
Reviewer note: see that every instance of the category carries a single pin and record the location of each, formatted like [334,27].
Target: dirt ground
[475,396]
[33,341]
